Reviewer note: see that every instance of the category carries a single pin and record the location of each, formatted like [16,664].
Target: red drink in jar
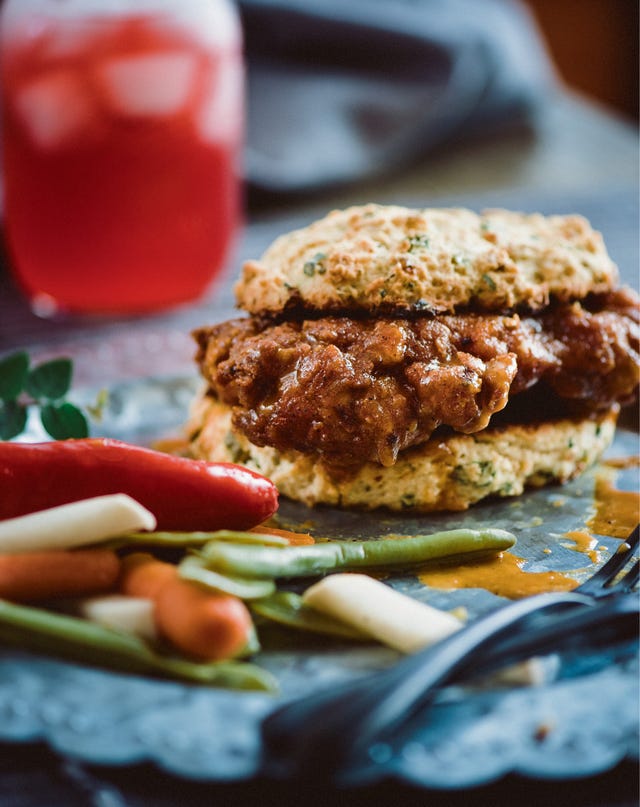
[121,138]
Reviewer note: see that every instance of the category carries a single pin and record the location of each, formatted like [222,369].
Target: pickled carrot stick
[206,625]
[57,573]
[144,576]
[203,624]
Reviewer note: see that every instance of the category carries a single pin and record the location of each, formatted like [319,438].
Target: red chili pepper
[183,494]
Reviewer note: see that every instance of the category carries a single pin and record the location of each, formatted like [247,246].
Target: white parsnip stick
[88,521]
[378,610]
[120,612]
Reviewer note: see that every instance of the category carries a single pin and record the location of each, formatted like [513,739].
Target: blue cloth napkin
[343,90]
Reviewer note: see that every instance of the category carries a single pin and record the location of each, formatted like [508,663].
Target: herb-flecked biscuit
[378,258]
[449,473]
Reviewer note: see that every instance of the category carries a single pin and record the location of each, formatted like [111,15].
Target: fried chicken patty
[357,390]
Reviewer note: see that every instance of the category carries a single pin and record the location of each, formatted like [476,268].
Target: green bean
[186,539]
[288,609]
[246,588]
[62,635]
[306,561]
[258,538]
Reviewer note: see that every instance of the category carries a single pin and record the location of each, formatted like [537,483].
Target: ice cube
[55,108]
[148,85]
[221,116]
[64,41]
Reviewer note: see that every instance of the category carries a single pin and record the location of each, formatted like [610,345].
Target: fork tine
[634,539]
[597,582]
[630,580]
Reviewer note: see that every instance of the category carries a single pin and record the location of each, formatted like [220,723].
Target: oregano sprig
[44,386]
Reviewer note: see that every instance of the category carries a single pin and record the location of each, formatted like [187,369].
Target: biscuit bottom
[446,473]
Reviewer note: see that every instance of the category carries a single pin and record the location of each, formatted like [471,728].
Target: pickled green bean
[246,588]
[287,608]
[62,635]
[187,539]
[311,560]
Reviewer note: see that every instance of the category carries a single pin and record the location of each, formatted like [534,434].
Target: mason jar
[122,127]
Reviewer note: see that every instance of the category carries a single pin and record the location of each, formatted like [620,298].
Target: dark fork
[319,734]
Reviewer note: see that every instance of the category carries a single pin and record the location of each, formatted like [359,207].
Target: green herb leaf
[64,420]
[43,387]
[13,375]
[13,419]
[418,242]
[489,281]
[50,380]
[315,265]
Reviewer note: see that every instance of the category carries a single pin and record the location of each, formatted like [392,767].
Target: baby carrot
[144,576]
[203,624]
[57,573]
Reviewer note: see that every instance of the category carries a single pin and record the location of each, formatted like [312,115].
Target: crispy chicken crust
[363,390]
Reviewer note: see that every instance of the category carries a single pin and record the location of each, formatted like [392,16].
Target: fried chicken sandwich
[420,359]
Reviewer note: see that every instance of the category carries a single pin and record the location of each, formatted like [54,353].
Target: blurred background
[594,45]
[338,94]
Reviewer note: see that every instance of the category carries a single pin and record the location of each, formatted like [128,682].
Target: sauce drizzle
[502,575]
[585,543]
[617,511]
[623,462]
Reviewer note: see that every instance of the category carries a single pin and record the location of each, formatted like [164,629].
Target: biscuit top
[394,259]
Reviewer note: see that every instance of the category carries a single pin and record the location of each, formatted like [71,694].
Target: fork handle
[319,731]
[317,735]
